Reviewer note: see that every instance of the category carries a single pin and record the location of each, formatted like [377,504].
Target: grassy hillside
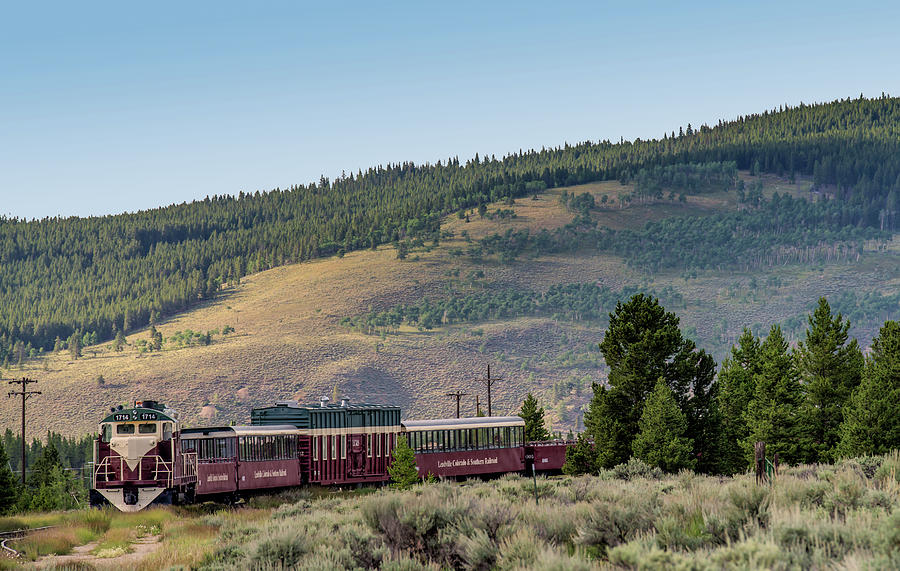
[62,278]
[288,341]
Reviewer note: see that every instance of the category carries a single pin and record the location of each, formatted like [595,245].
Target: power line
[25,394]
[458,395]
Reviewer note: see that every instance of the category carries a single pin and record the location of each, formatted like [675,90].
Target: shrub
[636,468]
[751,501]
[640,556]
[683,530]
[284,551]
[615,523]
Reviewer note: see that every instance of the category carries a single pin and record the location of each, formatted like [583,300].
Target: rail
[16,534]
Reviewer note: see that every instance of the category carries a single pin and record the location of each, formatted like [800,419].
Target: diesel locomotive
[143,455]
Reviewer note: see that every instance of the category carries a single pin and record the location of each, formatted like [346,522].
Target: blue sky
[112,107]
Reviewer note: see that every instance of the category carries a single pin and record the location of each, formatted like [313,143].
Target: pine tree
[119,343]
[772,412]
[642,344]
[736,388]
[603,425]
[830,369]
[75,345]
[533,415]
[402,470]
[9,487]
[661,439]
[580,458]
[155,343]
[871,423]
[49,487]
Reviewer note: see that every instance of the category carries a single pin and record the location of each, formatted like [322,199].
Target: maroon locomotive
[143,455]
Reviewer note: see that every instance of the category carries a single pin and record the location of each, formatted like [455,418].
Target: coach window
[343,446]
[369,444]
[377,445]
[334,447]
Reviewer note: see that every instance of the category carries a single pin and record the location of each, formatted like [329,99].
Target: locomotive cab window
[124,429]
[106,434]
[147,428]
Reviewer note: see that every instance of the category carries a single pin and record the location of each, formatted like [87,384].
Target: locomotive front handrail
[161,469]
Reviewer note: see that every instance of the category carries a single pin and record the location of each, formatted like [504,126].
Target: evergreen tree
[871,423]
[49,486]
[736,388]
[772,412]
[830,369]
[580,458]
[661,439]
[533,415]
[75,345]
[119,343]
[155,343]
[603,425]
[9,487]
[403,471]
[642,344]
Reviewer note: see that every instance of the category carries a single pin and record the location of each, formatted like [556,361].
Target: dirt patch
[141,548]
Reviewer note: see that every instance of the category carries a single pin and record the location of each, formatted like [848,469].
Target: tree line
[772,232]
[103,274]
[665,405]
[55,478]
[573,302]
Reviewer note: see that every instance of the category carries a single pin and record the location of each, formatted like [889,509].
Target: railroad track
[16,534]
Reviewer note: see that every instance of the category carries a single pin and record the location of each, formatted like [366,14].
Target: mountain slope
[289,342]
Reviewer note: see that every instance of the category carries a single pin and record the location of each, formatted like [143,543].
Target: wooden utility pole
[477,406]
[25,394]
[458,396]
[488,381]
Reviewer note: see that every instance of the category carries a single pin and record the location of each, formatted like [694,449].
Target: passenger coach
[467,446]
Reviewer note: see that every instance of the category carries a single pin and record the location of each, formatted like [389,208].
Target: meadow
[835,516]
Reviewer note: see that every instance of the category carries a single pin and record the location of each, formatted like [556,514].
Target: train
[143,455]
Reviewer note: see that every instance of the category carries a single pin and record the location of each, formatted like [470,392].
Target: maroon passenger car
[241,458]
[467,446]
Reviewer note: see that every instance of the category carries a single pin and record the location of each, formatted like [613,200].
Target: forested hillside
[63,278]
